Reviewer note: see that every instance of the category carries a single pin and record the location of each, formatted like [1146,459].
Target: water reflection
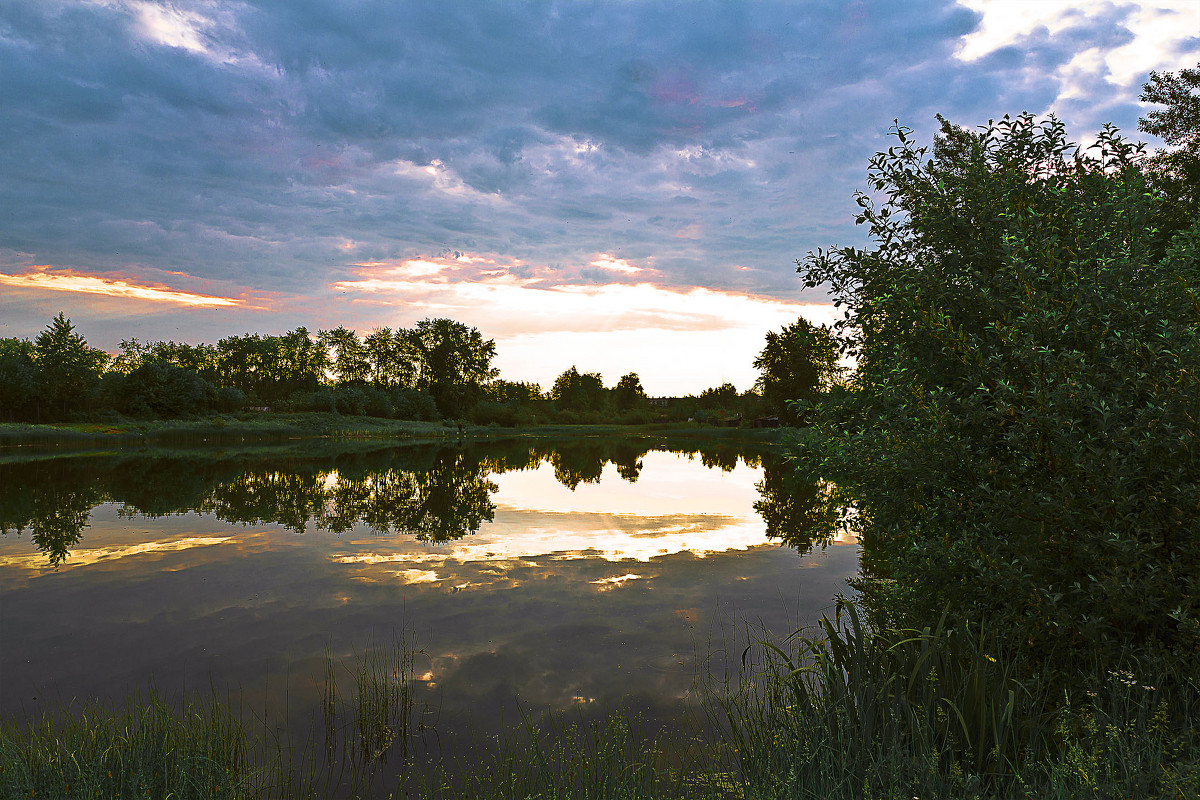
[573,575]
[442,500]
[437,494]
[799,513]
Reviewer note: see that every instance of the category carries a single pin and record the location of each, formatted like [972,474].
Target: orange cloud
[71,281]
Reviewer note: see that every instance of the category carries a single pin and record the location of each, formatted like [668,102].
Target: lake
[585,575]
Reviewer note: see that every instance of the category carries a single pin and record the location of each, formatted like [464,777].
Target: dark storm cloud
[273,144]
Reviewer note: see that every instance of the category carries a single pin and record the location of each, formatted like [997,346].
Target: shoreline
[271,428]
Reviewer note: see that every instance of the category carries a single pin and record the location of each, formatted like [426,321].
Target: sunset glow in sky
[623,186]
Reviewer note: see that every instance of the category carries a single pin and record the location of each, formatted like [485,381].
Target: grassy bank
[272,427]
[844,713]
[223,428]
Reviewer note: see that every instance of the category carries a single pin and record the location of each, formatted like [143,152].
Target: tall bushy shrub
[413,404]
[163,390]
[1022,433]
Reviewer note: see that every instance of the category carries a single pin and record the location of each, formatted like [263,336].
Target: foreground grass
[847,713]
[857,713]
[145,749]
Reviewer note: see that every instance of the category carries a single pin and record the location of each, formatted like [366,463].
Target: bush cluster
[1022,432]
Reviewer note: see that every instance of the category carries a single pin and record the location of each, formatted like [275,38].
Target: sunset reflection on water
[605,591]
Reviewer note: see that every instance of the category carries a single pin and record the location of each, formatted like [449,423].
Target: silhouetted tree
[66,367]
[454,362]
[243,362]
[198,358]
[502,391]
[723,396]
[578,391]
[798,363]
[391,359]
[628,394]
[349,355]
[301,363]
[18,375]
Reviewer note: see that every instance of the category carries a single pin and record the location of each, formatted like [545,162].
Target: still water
[572,575]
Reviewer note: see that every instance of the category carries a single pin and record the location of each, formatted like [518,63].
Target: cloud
[1097,53]
[513,298]
[613,264]
[279,147]
[171,27]
[60,280]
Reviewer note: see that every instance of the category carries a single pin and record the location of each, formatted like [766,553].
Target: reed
[854,712]
[383,700]
[566,756]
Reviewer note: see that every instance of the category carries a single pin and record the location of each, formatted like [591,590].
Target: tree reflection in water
[800,513]
[50,503]
[433,492]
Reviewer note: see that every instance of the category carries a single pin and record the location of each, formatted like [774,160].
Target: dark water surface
[584,574]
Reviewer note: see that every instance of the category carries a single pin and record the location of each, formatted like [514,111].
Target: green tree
[798,363]
[248,363]
[18,376]
[628,394]
[301,363]
[1175,172]
[391,359]
[198,358]
[1021,438]
[66,367]
[131,356]
[453,361]
[578,391]
[349,356]
[502,391]
[271,368]
[724,396]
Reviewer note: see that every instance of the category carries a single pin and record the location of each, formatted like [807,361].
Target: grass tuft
[147,748]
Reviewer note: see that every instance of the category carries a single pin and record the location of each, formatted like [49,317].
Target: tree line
[438,369]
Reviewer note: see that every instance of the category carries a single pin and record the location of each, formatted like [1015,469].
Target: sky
[620,186]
